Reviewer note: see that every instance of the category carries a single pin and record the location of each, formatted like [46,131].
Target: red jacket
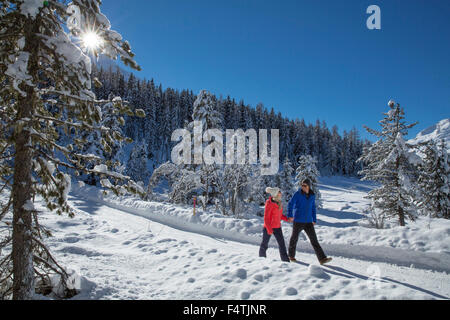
[273,216]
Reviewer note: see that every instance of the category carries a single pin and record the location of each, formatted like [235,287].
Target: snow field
[122,256]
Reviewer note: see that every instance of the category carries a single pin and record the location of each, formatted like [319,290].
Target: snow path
[126,256]
[423,260]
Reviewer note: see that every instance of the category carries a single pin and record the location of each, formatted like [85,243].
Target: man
[302,211]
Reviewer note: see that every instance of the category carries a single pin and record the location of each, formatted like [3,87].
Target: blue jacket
[302,208]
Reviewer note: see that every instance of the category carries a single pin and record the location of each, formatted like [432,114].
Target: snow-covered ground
[129,249]
[341,221]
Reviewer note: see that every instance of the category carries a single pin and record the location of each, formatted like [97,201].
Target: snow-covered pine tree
[93,144]
[186,186]
[434,180]
[205,110]
[286,177]
[169,109]
[41,64]
[259,183]
[136,167]
[333,152]
[307,169]
[390,162]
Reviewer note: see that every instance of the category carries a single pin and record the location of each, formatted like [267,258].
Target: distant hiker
[302,208]
[273,214]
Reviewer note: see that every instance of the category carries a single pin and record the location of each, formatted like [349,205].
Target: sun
[91,40]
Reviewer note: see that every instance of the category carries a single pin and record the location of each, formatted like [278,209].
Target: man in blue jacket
[302,211]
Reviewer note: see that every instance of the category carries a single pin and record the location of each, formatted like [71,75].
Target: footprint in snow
[258,277]
[160,252]
[291,291]
[245,295]
[81,251]
[241,273]
[67,224]
[71,239]
[166,240]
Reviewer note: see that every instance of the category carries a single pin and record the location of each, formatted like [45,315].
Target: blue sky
[306,59]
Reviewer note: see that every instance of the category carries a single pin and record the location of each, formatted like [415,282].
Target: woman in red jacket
[273,214]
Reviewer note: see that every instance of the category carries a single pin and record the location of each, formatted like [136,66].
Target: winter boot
[325,261]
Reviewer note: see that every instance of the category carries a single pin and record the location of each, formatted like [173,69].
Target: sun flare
[91,40]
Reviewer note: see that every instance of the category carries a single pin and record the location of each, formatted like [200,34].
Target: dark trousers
[278,233]
[311,232]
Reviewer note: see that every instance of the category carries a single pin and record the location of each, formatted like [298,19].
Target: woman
[273,214]
[302,208]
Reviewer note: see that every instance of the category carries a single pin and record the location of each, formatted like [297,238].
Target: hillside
[437,132]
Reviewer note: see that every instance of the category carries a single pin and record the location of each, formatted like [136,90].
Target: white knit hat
[273,191]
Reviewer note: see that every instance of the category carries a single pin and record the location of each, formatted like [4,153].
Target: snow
[67,185]
[29,206]
[103,169]
[129,249]
[72,55]
[18,70]
[106,183]
[318,272]
[50,166]
[340,222]
[31,7]
[439,131]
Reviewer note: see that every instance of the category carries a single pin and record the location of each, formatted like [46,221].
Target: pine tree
[390,163]
[333,153]
[46,75]
[434,180]
[257,187]
[136,167]
[93,144]
[307,169]
[286,177]
[206,112]
[169,109]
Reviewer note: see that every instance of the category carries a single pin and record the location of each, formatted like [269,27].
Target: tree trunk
[22,250]
[400,212]
[401,217]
